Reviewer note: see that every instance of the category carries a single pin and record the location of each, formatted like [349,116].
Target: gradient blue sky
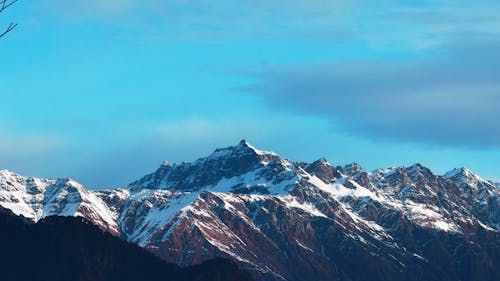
[104,91]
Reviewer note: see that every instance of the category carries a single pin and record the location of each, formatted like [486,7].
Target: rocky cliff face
[284,220]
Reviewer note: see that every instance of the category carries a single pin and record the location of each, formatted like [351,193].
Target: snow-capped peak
[323,161]
[36,198]
[416,167]
[352,168]
[463,171]
[244,143]
[5,172]
[464,176]
[233,161]
[476,188]
[242,148]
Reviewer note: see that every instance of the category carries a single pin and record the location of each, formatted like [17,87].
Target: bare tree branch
[4,4]
[9,29]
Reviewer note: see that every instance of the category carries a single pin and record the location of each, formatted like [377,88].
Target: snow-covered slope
[286,220]
[36,198]
[154,203]
[246,204]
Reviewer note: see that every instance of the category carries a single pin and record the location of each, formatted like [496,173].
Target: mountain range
[285,220]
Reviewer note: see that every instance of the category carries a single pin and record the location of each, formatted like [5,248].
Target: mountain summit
[223,163]
[285,220]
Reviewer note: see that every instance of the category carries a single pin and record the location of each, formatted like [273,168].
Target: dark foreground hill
[72,249]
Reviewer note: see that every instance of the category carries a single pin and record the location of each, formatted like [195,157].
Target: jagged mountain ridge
[36,198]
[287,220]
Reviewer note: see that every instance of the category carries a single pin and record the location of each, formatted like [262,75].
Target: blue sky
[104,91]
